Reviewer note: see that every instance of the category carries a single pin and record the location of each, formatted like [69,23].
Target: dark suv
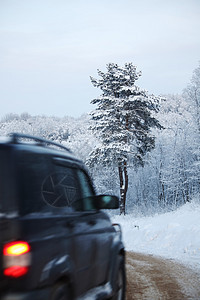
[55,241]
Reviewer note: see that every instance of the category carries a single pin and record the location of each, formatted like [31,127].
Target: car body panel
[48,200]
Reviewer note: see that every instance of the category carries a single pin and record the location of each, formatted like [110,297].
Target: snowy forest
[165,176]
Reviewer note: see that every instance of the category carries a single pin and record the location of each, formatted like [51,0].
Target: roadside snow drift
[174,235]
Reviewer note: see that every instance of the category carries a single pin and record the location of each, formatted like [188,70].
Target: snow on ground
[174,235]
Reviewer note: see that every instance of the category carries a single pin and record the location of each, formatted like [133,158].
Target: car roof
[38,145]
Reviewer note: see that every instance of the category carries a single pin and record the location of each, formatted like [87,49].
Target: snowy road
[150,277]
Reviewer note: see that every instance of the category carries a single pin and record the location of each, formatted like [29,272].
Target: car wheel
[120,286]
[60,291]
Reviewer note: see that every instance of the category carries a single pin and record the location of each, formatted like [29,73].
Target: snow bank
[174,235]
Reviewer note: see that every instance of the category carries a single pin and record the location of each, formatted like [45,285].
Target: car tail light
[16,258]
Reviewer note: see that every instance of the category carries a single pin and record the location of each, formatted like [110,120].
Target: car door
[95,238]
[80,222]
[91,229]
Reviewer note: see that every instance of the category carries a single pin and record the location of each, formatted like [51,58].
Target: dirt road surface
[153,278]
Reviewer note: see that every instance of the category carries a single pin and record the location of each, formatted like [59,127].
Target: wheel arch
[117,257]
[57,271]
[66,280]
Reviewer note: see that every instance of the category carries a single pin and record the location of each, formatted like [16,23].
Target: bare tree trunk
[126,183]
[123,178]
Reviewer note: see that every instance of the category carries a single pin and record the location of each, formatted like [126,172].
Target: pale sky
[50,48]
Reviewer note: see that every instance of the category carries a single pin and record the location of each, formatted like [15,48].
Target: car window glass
[47,186]
[86,191]
[32,171]
[63,183]
[86,188]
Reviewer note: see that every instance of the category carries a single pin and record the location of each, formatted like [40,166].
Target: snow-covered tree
[50,128]
[81,140]
[192,94]
[171,176]
[123,119]
[174,152]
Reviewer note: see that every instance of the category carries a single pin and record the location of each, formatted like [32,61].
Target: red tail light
[16,248]
[15,271]
[16,258]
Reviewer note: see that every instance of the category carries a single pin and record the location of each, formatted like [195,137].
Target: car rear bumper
[32,295]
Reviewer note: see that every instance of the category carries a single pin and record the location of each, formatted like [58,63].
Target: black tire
[60,291]
[120,284]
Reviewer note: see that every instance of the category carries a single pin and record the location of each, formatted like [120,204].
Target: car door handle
[70,225]
[92,222]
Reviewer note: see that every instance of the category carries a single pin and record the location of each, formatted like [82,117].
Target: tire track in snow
[154,278]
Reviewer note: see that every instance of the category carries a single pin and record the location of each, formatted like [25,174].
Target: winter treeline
[71,132]
[170,175]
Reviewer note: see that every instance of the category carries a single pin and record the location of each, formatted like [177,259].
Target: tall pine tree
[123,121]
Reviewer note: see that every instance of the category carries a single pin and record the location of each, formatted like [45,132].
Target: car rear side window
[32,171]
[74,186]
[48,184]
[60,188]
[45,186]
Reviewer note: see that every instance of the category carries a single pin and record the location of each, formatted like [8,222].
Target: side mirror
[97,202]
[106,202]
